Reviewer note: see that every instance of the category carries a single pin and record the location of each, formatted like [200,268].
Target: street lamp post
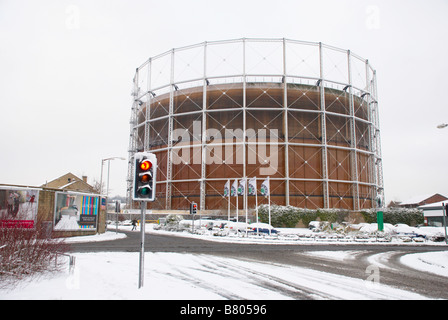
[107,190]
[441,126]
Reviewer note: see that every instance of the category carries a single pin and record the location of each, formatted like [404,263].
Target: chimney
[84,178]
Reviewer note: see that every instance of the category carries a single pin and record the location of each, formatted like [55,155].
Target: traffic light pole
[444,221]
[142,244]
[144,189]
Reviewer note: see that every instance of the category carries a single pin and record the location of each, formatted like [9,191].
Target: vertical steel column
[353,153]
[378,156]
[203,134]
[285,125]
[148,109]
[132,141]
[169,164]
[372,174]
[323,131]
[244,145]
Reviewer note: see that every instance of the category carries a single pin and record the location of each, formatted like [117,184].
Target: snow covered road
[198,276]
[213,270]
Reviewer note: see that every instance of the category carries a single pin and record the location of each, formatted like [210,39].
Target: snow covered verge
[434,262]
[107,236]
[176,276]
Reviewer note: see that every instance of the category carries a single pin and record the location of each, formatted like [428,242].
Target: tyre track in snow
[311,284]
[184,274]
[269,281]
[425,283]
[391,271]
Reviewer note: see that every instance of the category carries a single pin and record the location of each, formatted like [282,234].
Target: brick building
[422,200]
[66,206]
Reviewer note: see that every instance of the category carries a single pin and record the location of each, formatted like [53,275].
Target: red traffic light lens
[145,165]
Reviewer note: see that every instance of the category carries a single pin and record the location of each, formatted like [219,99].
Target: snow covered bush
[394,216]
[27,253]
[172,222]
[289,216]
[173,219]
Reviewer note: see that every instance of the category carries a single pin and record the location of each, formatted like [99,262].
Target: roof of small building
[419,199]
[433,205]
[69,181]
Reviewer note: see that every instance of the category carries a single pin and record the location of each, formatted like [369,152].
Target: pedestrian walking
[134,224]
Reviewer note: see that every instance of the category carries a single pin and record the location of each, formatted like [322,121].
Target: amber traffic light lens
[145,178]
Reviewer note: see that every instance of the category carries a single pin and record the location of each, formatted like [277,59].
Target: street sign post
[117,211]
[379,213]
[379,220]
[444,208]
[142,244]
[145,169]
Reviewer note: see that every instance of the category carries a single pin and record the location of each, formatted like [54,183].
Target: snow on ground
[175,276]
[434,262]
[107,236]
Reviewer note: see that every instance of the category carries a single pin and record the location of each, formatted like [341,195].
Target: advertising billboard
[18,207]
[75,211]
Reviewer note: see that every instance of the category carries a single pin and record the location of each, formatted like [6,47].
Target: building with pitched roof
[70,182]
[422,200]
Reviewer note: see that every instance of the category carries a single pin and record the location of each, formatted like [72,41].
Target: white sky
[66,70]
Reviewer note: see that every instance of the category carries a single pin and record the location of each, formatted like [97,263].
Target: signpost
[145,168]
[117,211]
[379,220]
[379,214]
[142,244]
[444,208]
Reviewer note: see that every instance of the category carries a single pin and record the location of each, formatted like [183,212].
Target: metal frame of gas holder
[167,72]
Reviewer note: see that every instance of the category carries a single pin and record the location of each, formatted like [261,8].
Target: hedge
[289,217]
[396,215]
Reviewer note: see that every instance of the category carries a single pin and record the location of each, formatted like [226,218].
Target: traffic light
[193,208]
[145,168]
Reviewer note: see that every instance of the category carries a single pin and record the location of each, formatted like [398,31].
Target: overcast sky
[66,70]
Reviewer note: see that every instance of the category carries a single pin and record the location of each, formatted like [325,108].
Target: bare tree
[97,186]
[26,253]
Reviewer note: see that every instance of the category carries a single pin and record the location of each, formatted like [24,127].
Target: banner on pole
[233,190]
[265,187]
[252,187]
[227,189]
[242,187]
